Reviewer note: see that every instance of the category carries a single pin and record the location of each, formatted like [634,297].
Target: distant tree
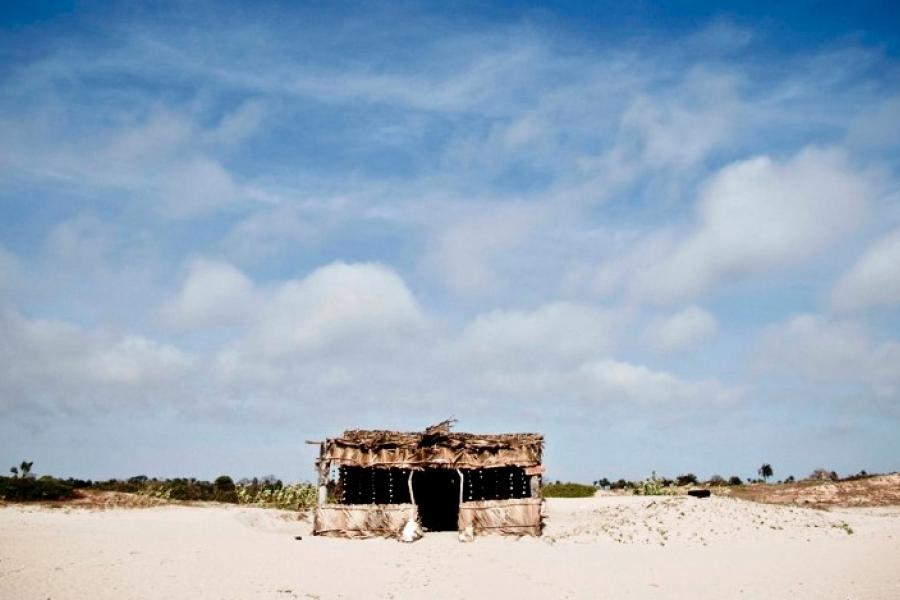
[822,475]
[765,471]
[735,480]
[14,471]
[224,489]
[789,479]
[716,480]
[602,483]
[687,479]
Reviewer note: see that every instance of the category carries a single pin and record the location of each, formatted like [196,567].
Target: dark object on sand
[298,537]
[699,493]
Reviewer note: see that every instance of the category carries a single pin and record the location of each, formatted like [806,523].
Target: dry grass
[878,490]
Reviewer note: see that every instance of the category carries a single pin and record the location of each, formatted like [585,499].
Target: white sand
[605,547]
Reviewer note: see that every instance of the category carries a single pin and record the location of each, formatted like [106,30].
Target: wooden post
[535,483]
[322,468]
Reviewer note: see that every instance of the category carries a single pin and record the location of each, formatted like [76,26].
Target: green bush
[17,489]
[735,480]
[225,490]
[654,486]
[568,490]
[297,496]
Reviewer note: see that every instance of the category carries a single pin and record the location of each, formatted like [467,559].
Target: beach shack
[374,483]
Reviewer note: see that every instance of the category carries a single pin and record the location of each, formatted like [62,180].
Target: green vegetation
[24,487]
[843,525]
[765,471]
[687,479]
[822,475]
[568,490]
[268,491]
[654,486]
[21,489]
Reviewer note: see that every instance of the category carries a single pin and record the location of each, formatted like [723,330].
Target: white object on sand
[467,534]
[411,531]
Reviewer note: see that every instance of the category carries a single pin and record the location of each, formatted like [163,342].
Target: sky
[665,236]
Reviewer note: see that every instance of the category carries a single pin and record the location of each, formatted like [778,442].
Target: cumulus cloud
[565,350]
[336,312]
[835,351]
[554,334]
[213,293]
[874,281]
[616,381]
[346,337]
[680,330]
[50,363]
[753,216]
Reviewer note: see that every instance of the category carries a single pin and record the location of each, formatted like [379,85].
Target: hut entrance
[437,496]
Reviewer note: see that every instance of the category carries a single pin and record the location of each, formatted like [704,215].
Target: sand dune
[603,547]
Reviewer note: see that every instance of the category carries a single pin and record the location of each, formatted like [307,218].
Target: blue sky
[668,237]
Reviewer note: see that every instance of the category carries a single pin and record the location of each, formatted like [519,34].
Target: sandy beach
[602,547]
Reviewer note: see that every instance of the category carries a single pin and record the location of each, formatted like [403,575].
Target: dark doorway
[437,495]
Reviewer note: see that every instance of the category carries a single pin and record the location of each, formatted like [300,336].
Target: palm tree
[765,471]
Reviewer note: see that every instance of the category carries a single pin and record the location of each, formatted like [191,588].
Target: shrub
[716,480]
[654,486]
[296,496]
[18,489]
[568,490]
[688,479]
[823,475]
[225,490]
[735,480]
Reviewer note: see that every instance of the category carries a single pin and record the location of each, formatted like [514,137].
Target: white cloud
[753,216]
[834,351]
[680,330]
[52,363]
[565,352]
[553,334]
[164,158]
[878,126]
[213,293]
[463,253]
[337,312]
[9,272]
[874,281]
[616,381]
[680,129]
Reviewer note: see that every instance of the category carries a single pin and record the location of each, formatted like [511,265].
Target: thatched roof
[436,446]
